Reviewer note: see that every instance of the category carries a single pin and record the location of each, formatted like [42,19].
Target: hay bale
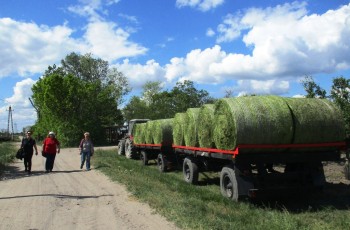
[190,128]
[316,121]
[252,120]
[139,133]
[149,132]
[178,129]
[163,132]
[205,126]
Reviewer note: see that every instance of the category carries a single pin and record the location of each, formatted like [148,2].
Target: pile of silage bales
[253,120]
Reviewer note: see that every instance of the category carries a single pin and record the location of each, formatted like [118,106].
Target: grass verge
[7,154]
[203,207]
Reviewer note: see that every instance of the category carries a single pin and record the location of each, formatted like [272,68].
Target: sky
[238,46]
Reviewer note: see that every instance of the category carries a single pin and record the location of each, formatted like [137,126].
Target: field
[203,207]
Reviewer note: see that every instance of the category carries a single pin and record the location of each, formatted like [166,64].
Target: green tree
[340,93]
[165,104]
[70,101]
[312,89]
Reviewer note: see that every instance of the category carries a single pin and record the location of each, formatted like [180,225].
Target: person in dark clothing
[28,143]
[51,146]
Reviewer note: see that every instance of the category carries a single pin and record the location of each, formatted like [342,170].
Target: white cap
[51,133]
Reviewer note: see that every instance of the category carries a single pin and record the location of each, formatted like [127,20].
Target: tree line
[85,94]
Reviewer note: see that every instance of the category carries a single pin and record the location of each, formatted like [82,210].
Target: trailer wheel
[228,183]
[129,149]
[121,147]
[162,163]
[190,170]
[144,158]
[347,170]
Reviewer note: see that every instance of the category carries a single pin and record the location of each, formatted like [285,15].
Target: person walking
[86,149]
[50,146]
[28,143]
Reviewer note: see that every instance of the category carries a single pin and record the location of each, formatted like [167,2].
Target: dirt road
[69,198]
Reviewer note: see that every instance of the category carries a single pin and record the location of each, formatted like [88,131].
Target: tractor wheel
[162,163]
[228,183]
[129,149]
[190,170]
[121,147]
[144,158]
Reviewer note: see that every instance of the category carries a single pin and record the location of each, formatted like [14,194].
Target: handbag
[43,153]
[20,154]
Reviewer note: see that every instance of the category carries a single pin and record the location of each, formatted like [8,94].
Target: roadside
[70,198]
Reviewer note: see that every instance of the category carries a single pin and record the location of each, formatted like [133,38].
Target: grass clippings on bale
[190,127]
[149,132]
[316,121]
[205,126]
[252,120]
[163,132]
[178,129]
[139,133]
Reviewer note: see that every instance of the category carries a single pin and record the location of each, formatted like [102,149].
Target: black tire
[190,170]
[129,149]
[162,163]
[228,183]
[144,158]
[347,170]
[121,147]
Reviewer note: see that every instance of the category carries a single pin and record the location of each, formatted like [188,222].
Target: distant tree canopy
[81,95]
[157,104]
[339,94]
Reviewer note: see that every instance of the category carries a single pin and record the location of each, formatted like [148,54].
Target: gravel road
[69,198]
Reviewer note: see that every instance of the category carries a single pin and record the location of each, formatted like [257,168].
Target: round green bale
[252,120]
[139,133]
[190,128]
[163,132]
[149,132]
[316,121]
[178,129]
[205,126]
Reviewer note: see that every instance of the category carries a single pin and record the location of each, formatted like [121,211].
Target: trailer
[257,144]
[249,174]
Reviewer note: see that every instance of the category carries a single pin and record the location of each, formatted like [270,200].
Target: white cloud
[27,48]
[138,74]
[23,114]
[202,5]
[210,32]
[112,42]
[276,87]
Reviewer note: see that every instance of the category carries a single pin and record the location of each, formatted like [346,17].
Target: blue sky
[245,46]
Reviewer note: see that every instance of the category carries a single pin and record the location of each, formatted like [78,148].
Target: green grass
[203,206]
[7,153]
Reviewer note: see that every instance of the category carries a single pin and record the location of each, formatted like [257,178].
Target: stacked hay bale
[149,132]
[190,127]
[252,120]
[139,133]
[205,126]
[163,131]
[316,121]
[178,129]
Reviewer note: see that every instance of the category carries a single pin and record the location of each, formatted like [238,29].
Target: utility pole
[8,124]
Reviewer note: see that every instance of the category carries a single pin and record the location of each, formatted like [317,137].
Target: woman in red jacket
[50,146]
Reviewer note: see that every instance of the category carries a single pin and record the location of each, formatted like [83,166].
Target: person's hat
[29,132]
[51,133]
[87,133]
